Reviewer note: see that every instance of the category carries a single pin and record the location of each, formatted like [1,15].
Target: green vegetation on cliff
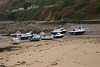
[54,10]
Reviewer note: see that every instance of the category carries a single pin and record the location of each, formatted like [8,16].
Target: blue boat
[35,37]
[58,35]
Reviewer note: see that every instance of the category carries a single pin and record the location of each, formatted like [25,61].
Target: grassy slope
[55,10]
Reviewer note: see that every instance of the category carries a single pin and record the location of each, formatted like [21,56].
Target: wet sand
[80,52]
[70,51]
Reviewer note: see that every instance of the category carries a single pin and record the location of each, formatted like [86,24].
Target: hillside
[14,4]
[52,10]
[7,4]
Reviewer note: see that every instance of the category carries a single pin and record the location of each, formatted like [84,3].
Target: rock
[2,66]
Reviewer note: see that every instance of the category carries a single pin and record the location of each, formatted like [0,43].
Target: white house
[33,6]
[21,8]
[30,7]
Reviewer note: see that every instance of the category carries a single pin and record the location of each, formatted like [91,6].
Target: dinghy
[15,41]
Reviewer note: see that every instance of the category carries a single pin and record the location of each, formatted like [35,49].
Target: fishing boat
[58,35]
[34,37]
[15,41]
[77,32]
[47,37]
[18,33]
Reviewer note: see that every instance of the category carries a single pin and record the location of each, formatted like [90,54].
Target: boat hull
[34,39]
[57,32]
[58,36]
[23,38]
[77,33]
[46,38]
[15,41]
[63,32]
[14,35]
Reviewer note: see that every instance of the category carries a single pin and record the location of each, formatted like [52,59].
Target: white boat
[58,30]
[62,29]
[42,34]
[84,29]
[28,34]
[55,31]
[77,32]
[34,37]
[15,41]
[58,35]
[47,37]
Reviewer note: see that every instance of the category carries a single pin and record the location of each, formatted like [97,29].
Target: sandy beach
[70,51]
